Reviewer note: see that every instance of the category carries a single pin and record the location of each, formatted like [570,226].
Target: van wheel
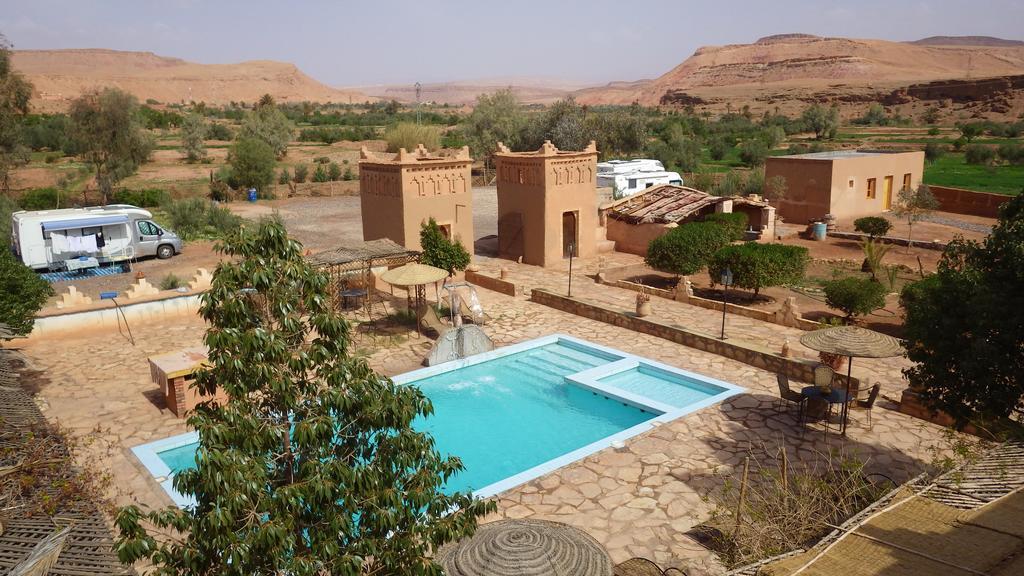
[164,251]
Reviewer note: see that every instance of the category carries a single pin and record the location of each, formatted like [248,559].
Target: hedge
[755,266]
[686,249]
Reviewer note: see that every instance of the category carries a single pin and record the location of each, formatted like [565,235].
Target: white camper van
[631,176]
[76,238]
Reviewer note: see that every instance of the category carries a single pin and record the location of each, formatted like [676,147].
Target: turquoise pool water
[521,411]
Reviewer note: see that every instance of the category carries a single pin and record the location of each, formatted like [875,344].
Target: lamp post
[572,249]
[726,281]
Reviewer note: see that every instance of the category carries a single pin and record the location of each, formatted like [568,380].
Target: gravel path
[947,221]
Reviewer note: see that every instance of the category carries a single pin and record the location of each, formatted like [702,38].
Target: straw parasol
[853,342]
[417,276]
[526,548]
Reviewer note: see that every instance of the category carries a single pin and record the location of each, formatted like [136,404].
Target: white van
[627,177]
[49,239]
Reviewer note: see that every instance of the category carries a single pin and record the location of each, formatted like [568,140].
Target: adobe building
[399,192]
[547,204]
[844,183]
[634,221]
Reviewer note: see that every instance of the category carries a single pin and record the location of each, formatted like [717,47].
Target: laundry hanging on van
[58,243]
[89,243]
[74,243]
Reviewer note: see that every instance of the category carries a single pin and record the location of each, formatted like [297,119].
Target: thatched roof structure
[358,255]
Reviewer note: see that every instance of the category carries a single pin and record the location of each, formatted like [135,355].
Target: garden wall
[491,283]
[961,201]
[103,316]
[748,353]
[927,244]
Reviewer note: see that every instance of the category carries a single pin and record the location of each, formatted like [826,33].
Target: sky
[346,43]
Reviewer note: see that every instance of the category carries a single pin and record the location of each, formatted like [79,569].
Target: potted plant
[835,361]
[643,303]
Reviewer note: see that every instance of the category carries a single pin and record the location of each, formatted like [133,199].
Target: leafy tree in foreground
[686,249]
[439,251]
[755,266]
[914,205]
[855,296]
[22,294]
[965,325]
[109,135]
[312,466]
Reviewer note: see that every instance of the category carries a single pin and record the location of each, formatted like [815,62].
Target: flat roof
[836,154]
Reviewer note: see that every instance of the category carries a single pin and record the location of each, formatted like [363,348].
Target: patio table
[81,263]
[814,394]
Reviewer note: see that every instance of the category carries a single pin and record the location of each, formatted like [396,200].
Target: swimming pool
[521,411]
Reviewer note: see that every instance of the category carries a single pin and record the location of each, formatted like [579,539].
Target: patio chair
[823,376]
[787,394]
[428,318]
[867,403]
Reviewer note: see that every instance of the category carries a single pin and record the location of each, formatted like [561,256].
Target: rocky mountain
[61,75]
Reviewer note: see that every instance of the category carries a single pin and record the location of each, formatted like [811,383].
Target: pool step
[583,358]
[538,370]
[560,364]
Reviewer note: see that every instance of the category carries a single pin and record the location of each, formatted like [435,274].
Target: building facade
[547,204]
[399,192]
[847,184]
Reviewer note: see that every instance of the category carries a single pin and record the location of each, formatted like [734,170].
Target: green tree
[312,465]
[914,205]
[15,93]
[979,154]
[970,130]
[333,171]
[109,135]
[686,249]
[285,176]
[964,324]
[753,152]
[252,164]
[824,122]
[933,151]
[193,135]
[872,226]
[755,266]
[320,174]
[497,117]
[718,148]
[301,172]
[22,294]
[875,116]
[441,252]
[269,124]
[854,296]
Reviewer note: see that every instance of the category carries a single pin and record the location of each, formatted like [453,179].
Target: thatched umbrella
[853,342]
[417,276]
[526,548]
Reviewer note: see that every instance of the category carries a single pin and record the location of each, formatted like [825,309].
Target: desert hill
[464,92]
[61,75]
[779,69]
[966,41]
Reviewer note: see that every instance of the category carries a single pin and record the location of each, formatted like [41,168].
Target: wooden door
[887,192]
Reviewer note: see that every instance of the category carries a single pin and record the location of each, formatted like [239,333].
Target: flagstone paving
[638,500]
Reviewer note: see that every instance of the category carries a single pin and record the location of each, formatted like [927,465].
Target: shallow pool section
[519,412]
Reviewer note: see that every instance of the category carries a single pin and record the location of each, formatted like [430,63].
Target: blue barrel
[820,230]
[252,194]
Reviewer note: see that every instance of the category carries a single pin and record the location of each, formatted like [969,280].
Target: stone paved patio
[637,501]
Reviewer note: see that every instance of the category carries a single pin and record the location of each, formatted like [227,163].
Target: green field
[951,170]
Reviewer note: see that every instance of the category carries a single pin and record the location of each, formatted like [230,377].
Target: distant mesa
[776,38]
[59,76]
[966,41]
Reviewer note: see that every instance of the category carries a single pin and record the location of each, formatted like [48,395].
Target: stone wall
[961,201]
[492,283]
[929,245]
[103,316]
[746,352]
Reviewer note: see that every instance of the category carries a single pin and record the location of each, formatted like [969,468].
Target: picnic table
[81,263]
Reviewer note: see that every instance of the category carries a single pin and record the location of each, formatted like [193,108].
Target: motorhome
[74,238]
[627,177]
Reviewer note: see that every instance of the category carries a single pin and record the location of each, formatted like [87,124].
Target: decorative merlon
[201,281]
[141,289]
[73,298]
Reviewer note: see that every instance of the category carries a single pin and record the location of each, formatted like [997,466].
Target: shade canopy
[526,548]
[414,274]
[75,223]
[852,341]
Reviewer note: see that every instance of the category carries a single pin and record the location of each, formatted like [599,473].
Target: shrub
[320,174]
[53,157]
[756,266]
[718,148]
[686,249]
[22,294]
[285,176]
[333,171]
[194,218]
[979,154]
[407,135]
[753,152]
[40,199]
[735,222]
[349,174]
[301,172]
[1012,153]
[216,131]
[854,296]
[933,151]
[872,225]
[321,160]
[170,282]
[441,252]
[252,164]
[146,198]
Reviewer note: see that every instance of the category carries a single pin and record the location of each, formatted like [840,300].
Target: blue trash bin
[252,194]
[820,230]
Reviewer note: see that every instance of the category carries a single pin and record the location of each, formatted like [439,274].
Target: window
[148,228]
[648,184]
[871,187]
[632,183]
[906,181]
[851,182]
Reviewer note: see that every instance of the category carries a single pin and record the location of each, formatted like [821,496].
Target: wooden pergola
[344,262]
